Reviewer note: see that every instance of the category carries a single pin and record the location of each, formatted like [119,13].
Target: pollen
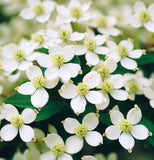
[76,12]
[125,125]
[38,81]
[132,86]
[82,88]
[17,120]
[102,21]
[81,130]
[58,149]
[38,9]
[90,43]
[102,69]
[107,86]
[19,55]
[58,59]
[144,16]
[122,50]
[64,34]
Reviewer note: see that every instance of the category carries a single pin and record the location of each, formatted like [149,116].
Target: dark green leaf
[105,119]
[146,59]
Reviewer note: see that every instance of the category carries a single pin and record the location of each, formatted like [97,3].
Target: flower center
[19,55]
[132,86]
[64,34]
[58,59]
[81,130]
[101,21]
[58,149]
[122,50]
[107,86]
[103,70]
[90,43]
[144,16]
[125,125]
[17,120]
[76,12]
[82,88]
[38,9]
[37,38]
[1,68]
[38,81]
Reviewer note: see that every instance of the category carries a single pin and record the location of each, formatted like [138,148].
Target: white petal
[127,43]
[139,6]
[69,124]
[52,72]
[78,104]
[49,6]
[65,156]
[53,139]
[117,80]
[127,141]
[140,132]
[100,39]
[47,156]
[8,132]
[26,88]
[51,83]
[9,65]
[33,71]
[61,9]
[80,49]
[92,58]
[149,26]
[111,44]
[90,120]
[149,93]
[92,79]
[111,63]
[44,60]
[151,103]
[112,132]
[89,158]
[102,50]
[29,115]
[31,3]
[8,111]
[134,115]
[8,50]
[75,36]
[24,65]
[39,98]
[26,133]
[137,53]
[120,95]
[151,10]
[94,138]
[74,3]
[27,13]
[128,63]
[94,97]
[105,102]
[116,117]
[68,52]
[43,18]
[134,21]
[68,91]
[74,144]
[114,56]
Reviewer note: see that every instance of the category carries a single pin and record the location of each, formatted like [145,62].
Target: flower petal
[128,63]
[111,63]
[151,103]
[29,115]
[8,132]
[26,133]
[120,95]
[112,132]
[117,80]
[94,97]
[9,65]
[47,156]
[8,50]
[94,138]
[116,117]
[127,141]
[127,43]
[44,60]
[74,144]
[134,21]
[140,132]
[100,39]
[26,88]
[105,102]
[91,120]
[76,36]
[89,158]
[137,53]
[43,17]
[52,72]
[91,58]
[78,104]
[27,13]
[65,156]
[149,26]
[69,124]
[80,49]
[51,83]
[39,98]
[134,115]
[102,50]
[24,65]
[139,6]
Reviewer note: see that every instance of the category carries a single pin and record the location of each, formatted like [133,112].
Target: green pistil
[125,125]
[107,86]
[82,88]
[64,34]
[90,43]
[132,86]
[144,16]
[19,55]
[101,21]
[102,69]
[58,59]
[38,9]
[76,12]
[81,130]
[38,81]
[122,50]
[17,120]
[58,149]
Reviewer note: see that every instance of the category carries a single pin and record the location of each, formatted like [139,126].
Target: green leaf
[146,59]
[105,119]
[150,127]
[43,50]
[75,60]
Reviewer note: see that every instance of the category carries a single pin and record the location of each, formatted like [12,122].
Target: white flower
[75,12]
[124,52]
[38,9]
[112,85]
[18,122]
[79,93]
[81,131]
[56,63]
[143,16]
[125,129]
[88,158]
[58,149]
[39,96]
